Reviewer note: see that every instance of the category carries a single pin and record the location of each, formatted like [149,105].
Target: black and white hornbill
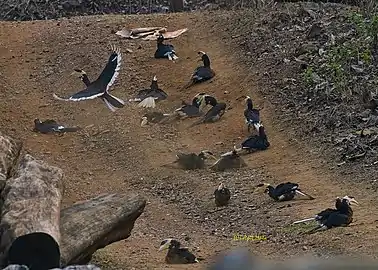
[192,161]
[201,73]
[252,115]
[229,160]
[191,110]
[165,50]
[340,218]
[154,117]
[282,192]
[322,216]
[51,126]
[222,195]
[177,254]
[256,142]
[147,97]
[100,87]
[214,114]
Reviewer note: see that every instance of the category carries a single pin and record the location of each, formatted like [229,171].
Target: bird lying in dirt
[222,195]
[147,98]
[177,254]
[201,73]
[155,117]
[282,192]
[229,160]
[191,161]
[51,126]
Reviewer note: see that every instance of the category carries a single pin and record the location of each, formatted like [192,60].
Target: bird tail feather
[113,102]
[71,129]
[303,220]
[147,103]
[304,194]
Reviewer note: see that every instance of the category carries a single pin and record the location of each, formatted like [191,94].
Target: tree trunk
[90,225]
[9,153]
[177,5]
[31,213]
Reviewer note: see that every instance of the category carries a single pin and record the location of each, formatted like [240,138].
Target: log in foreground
[31,214]
[90,225]
[9,152]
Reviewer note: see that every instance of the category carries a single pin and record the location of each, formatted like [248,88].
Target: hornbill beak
[261,187]
[351,200]
[155,78]
[221,186]
[208,153]
[78,72]
[144,121]
[166,244]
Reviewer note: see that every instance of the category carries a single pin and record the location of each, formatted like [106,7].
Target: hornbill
[192,161]
[50,126]
[252,115]
[214,114]
[253,142]
[230,160]
[222,195]
[165,50]
[201,73]
[256,142]
[148,97]
[322,216]
[340,218]
[100,87]
[282,192]
[177,254]
[191,110]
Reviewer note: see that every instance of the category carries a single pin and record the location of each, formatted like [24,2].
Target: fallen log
[90,225]
[31,215]
[9,153]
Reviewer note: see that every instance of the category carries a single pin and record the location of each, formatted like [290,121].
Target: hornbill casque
[201,73]
[252,115]
[214,114]
[147,97]
[282,192]
[177,254]
[222,195]
[100,87]
[51,126]
[165,50]
[340,217]
[191,161]
[227,161]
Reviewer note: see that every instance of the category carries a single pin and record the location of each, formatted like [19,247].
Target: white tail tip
[148,103]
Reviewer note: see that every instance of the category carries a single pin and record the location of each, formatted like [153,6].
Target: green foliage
[357,50]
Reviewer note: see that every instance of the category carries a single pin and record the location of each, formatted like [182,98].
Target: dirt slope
[115,154]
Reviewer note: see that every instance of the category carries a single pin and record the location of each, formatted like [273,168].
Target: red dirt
[36,59]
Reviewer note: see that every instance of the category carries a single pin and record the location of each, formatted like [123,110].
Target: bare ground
[116,154]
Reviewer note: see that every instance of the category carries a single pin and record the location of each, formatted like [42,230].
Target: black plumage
[100,87]
[227,161]
[177,254]
[147,97]
[212,115]
[51,126]
[252,115]
[222,195]
[201,73]
[282,192]
[189,110]
[192,161]
[256,142]
[340,218]
[165,50]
